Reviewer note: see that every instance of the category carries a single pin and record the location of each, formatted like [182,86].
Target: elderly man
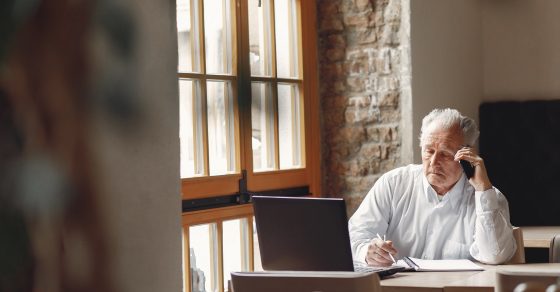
[433,211]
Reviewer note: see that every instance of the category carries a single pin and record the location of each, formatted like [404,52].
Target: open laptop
[306,234]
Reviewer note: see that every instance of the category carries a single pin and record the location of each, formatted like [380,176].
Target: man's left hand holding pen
[380,252]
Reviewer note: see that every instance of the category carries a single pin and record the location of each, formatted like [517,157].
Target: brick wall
[360,87]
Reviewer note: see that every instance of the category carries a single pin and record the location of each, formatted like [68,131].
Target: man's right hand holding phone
[479,180]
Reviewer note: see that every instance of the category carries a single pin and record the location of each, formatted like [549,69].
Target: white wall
[138,161]
[521,49]
[446,57]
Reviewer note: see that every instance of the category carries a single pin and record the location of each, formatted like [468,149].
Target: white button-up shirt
[404,206]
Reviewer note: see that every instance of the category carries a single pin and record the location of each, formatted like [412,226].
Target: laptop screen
[303,234]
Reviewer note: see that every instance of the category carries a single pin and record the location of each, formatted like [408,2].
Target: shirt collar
[453,196]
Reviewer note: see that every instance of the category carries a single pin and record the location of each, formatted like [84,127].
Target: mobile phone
[467,168]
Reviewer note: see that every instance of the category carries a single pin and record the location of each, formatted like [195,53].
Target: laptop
[306,234]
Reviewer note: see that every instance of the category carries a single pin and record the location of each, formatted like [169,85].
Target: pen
[392,258]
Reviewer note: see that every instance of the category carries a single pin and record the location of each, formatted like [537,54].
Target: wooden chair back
[519,255]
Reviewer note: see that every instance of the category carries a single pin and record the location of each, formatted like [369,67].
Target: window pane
[235,248]
[188,34]
[262,120]
[290,122]
[221,128]
[218,36]
[260,37]
[190,128]
[256,248]
[203,257]
[286,38]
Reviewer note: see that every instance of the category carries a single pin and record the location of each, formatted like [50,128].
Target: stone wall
[360,87]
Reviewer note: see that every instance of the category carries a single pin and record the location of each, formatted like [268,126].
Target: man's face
[438,152]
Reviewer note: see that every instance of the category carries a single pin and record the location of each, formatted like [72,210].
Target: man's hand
[378,253]
[480,180]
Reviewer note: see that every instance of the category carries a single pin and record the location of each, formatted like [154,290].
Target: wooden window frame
[210,216]
[309,176]
[209,186]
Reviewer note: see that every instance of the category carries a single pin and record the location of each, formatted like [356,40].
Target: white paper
[444,265]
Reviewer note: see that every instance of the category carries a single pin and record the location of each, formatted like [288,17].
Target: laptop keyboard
[366,269]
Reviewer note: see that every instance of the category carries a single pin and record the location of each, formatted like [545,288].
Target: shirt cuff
[362,252]
[486,201]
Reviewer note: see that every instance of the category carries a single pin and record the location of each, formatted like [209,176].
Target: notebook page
[445,265]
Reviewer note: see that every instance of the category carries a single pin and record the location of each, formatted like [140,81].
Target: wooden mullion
[220,254]
[194,34]
[187,259]
[275,79]
[190,75]
[295,104]
[274,84]
[201,38]
[234,38]
[269,35]
[244,86]
[230,141]
[299,30]
[275,119]
[310,95]
[213,215]
[301,104]
[298,44]
[203,97]
[236,126]
[273,40]
[204,112]
[225,35]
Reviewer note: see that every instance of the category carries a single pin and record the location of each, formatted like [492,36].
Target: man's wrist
[486,201]
[484,188]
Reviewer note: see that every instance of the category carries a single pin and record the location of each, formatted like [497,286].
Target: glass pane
[235,248]
[204,258]
[188,36]
[290,118]
[260,37]
[218,36]
[221,128]
[190,128]
[262,120]
[286,38]
[256,248]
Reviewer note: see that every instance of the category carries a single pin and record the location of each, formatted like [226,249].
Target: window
[249,105]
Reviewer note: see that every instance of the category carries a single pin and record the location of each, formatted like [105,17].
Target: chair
[554,250]
[304,281]
[519,255]
[529,277]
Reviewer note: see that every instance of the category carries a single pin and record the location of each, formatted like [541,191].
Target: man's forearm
[493,238]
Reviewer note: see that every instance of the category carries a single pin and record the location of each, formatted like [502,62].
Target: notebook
[441,265]
[306,234]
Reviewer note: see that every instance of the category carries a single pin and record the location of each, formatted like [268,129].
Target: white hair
[448,118]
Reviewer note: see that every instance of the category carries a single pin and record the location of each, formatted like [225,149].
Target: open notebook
[439,265]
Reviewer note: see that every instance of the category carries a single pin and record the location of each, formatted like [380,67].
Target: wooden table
[482,281]
[539,236]
[467,281]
